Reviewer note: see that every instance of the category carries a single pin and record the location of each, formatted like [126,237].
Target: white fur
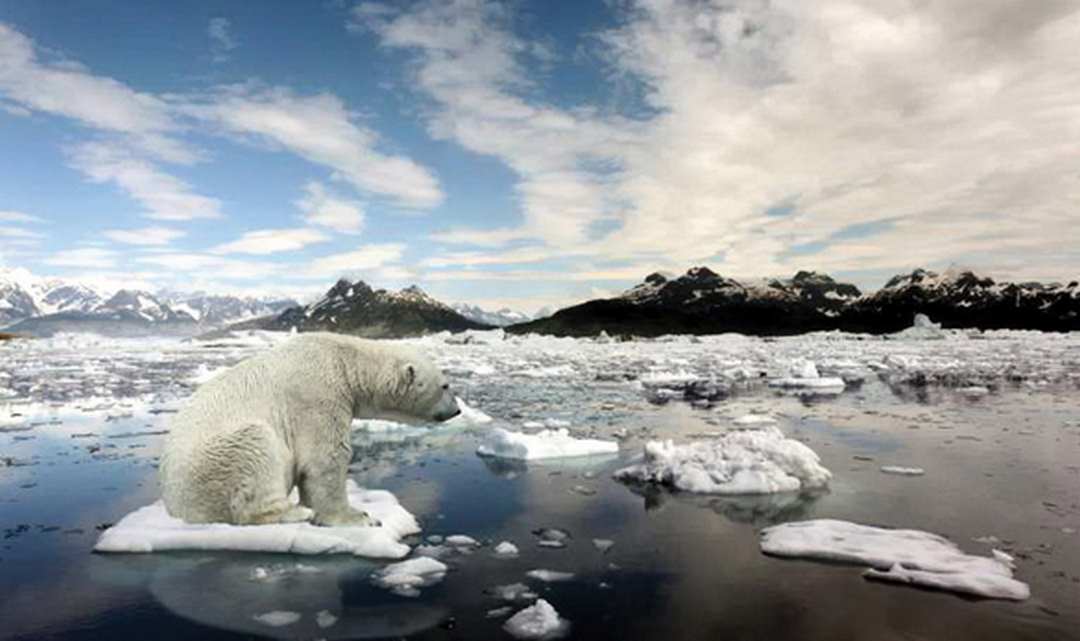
[282,419]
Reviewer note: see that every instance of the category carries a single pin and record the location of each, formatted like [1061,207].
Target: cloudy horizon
[533,154]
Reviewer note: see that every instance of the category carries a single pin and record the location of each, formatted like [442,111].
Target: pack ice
[543,445]
[152,529]
[744,462]
[901,556]
[804,374]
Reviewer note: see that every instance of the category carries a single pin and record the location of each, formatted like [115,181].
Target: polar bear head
[415,389]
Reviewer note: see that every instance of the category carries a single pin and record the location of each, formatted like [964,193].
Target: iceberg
[152,529]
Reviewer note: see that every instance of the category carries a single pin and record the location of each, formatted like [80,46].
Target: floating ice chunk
[746,462]
[974,391]
[469,416]
[506,549]
[804,374]
[498,613]
[546,444]
[461,541]
[603,544]
[906,556]
[922,328]
[405,578]
[325,619]
[513,592]
[902,471]
[277,618]
[754,420]
[152,529]
[549,576]
[538,621]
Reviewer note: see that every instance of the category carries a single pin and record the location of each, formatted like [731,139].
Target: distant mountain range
[356,308]
[703,302]
[44,306]
[698,302]
[498,318]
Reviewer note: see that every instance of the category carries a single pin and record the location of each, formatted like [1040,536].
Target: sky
[536,153]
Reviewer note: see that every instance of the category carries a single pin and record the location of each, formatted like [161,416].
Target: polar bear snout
[446,416]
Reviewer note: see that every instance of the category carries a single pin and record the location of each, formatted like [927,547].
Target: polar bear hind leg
[244,478]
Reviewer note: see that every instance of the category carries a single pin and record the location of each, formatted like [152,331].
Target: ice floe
[744,462]
[506,549]
[407,577]
[900,470]
[549,576]
[903,556]
[152,529]
[543,445]
[804,374]
[277,618]
[538,621]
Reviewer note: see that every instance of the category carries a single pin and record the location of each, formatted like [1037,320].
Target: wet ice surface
[994,420]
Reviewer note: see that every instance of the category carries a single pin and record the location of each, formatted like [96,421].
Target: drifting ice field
[526,530]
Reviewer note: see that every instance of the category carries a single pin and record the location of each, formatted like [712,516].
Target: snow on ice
[902,556]
[744,462]
[546,444]
[407,577]
[538,621]
[152,529]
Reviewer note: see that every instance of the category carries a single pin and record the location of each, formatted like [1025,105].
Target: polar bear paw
[347,518]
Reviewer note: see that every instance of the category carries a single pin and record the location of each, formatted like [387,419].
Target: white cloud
[89,257]
[145,235]
[66,89]
[365,258]
[321,129]
[18,217]
[222,40]
[212,267]
[323,208]
[471,65]
[950,124]
[164,197]
[272,241]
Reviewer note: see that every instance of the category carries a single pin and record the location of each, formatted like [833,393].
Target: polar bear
[282,419]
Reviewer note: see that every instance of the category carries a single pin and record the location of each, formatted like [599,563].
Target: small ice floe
[469,416]
[277,618]
[461,541]
[552,537]
[513,593]
[543,445]
[549,576]
[804,375]
[538,621]
[152,529]
[583,490]
[900,470]
[745,462]
[506,549]
[922,328]
[407,577]
[901,556]
[325,619]
[498,613]
[754,420]
[973,391]
[603,545]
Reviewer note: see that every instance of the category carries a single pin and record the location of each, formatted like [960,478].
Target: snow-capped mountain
[36,305]
[703,302]
[499,318]
[962,298]
[356,308]
[210,309]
